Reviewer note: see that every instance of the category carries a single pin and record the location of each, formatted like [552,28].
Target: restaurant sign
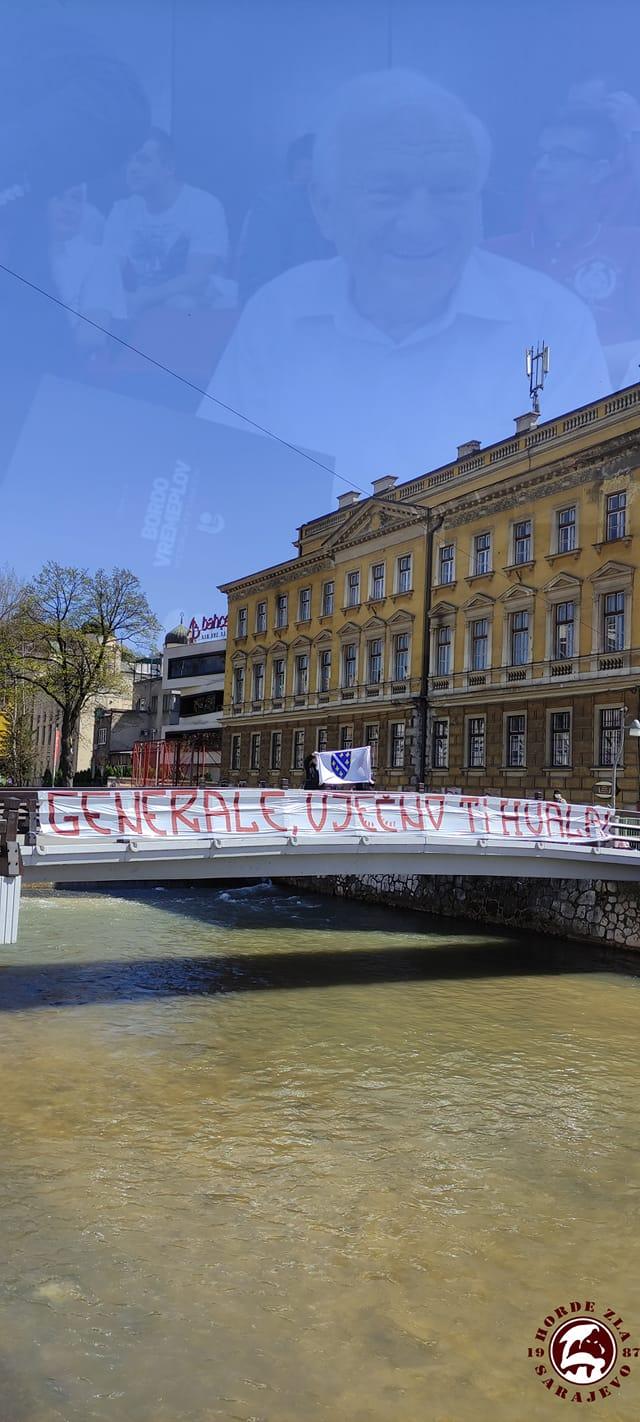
[209,629]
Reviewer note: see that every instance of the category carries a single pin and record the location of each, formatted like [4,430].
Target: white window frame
[297,760]
[242,622]
[275,694]
[473,571]
[527,518]
[301,594]
[343,678]
[559,711]
[301,674]
[257,667]
[440,721]
[397,740]
[448,543]
[276,740]
[509,715]
[323,652]
[352,573]
[374,596]
[262,618]
[375,681]
[404,632]
[599,709]
[469,765]
[400,573]
[284,597]
[373,741]
[330,583]
[555,547]
[238,678]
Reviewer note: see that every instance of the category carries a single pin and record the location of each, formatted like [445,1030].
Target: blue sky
[364,335]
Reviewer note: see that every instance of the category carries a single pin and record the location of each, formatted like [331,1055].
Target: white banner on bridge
[155,813]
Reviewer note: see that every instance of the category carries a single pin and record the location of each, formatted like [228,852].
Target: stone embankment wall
[598,909]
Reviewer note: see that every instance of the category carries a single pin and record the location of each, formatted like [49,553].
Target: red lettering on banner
[473,804]
[149,814]
[348,815]
[596,821]
[124,823]
[576,833]
[384,824]
[440,803]
[209,814]
[319,824]
[240,828]
[178,812]
[554,812]
[536,829]
[266,795]
[510,814]
[366,824]
[90,815]
[406,821]
[73,819]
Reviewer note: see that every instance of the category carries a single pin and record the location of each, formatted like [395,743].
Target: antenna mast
[537,368]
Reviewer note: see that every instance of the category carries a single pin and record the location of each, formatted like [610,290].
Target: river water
[274,1159]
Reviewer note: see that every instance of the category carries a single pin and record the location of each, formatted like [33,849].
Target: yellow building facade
[326,650]
[479,625]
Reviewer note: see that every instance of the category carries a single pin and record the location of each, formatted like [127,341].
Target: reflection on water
[286,1160]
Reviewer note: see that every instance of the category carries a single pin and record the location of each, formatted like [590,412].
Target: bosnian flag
[345,767]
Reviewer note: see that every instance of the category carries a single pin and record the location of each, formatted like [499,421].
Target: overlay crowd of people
[343,311]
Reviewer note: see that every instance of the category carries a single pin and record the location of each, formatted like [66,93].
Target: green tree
[16,699]
[67,639]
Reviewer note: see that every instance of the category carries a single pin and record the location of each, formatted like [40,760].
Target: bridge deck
[282,855]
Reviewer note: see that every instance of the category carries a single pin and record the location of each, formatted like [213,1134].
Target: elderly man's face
[404,211]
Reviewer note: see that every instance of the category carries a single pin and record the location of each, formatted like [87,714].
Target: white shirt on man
[156,245]
[303,363]
[88,279]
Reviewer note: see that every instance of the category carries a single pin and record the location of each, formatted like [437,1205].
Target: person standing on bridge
[311,773]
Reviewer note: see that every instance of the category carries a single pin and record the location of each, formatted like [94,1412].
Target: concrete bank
[596,910]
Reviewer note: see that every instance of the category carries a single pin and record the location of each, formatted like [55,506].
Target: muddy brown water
[268,1158]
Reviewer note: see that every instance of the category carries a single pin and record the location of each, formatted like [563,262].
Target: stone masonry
[596,910]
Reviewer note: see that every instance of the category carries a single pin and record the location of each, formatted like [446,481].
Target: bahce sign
[100,814]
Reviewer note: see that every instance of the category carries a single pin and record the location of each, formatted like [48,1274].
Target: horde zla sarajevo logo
[582,1352]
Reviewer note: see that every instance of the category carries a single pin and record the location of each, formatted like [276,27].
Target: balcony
[363,692]
[553,671]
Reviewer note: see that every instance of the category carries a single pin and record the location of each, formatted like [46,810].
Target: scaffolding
[179,761]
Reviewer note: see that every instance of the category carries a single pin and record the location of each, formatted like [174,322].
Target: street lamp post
[634,733]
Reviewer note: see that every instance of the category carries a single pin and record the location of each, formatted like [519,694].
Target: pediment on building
[443,609]
[563,582]
[278,649]
[323,639]
[401,618]
[613,569]
[238,659]
[258,651]
[480,603]
[375,519]
[301,644]
[519,592]
[349,628]
[375,624]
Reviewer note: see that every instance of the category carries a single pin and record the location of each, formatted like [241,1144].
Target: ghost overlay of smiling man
[412,339]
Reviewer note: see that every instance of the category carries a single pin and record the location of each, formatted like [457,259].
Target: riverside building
[478,626]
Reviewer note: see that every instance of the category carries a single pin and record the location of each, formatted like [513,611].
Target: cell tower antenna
[537,368]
